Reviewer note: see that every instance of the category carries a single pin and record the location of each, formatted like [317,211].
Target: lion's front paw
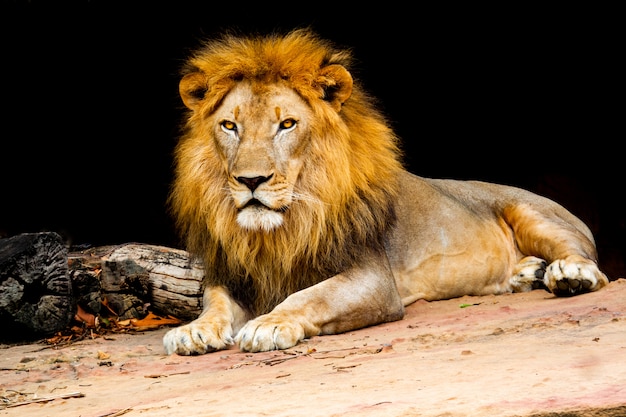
[566,278]
[269,332]
[197,338]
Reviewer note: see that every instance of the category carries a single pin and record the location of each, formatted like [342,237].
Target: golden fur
[289,185]
[352,204]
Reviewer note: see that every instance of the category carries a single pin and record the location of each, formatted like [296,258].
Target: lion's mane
[349,179]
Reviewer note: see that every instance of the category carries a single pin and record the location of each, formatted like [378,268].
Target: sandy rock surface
[508,355]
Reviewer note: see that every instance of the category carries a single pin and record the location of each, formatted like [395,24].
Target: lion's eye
[287,124]
[228,125]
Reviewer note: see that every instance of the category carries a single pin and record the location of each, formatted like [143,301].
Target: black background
[525,96]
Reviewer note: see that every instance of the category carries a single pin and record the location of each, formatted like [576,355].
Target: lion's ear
[192,88]
[336,83]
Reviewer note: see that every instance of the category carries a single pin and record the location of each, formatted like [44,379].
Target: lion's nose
[252,182]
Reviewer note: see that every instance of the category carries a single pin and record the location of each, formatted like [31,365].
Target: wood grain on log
[133,274]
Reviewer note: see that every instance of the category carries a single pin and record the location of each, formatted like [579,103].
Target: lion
[289,186]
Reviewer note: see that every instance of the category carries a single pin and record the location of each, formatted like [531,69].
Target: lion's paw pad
[565,279]
[529,274]
[571,286]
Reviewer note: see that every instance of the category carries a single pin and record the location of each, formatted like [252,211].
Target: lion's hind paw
[529,274]
[565,278]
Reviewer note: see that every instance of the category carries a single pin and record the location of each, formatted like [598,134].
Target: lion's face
[260,134]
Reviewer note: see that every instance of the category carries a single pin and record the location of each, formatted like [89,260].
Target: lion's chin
[259,218]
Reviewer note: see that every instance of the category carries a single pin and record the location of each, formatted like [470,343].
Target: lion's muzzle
[255,209]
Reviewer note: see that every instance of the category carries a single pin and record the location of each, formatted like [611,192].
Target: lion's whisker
[305,197]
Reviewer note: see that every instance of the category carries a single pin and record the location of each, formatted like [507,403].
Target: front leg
[363,296]
[212,330]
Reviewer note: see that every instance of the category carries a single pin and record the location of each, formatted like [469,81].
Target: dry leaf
[84,317]
[152,321]
[103,355]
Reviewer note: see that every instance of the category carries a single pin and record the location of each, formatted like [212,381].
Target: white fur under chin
[255,218]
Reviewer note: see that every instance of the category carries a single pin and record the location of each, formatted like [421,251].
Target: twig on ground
[48,398]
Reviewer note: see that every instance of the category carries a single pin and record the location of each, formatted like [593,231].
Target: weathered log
[35,290]
[133,276]
[41,284]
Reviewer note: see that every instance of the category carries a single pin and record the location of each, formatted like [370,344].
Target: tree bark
[36,297]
